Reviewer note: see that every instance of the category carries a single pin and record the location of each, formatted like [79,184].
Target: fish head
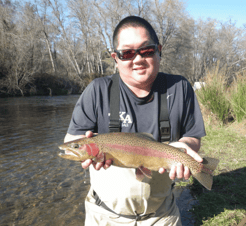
[75,150]
[79,150]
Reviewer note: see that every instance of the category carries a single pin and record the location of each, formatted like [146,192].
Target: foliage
[226,218]
[213,94]
[225,99]
[238,98]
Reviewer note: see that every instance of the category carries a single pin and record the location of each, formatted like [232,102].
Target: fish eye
[75,145]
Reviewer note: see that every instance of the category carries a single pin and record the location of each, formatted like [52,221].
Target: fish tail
[205,177]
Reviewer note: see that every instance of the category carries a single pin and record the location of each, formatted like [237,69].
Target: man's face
[139,72]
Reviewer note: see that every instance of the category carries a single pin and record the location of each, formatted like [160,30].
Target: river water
[36,186]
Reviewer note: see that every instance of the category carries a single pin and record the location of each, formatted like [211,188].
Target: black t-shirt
[92,110]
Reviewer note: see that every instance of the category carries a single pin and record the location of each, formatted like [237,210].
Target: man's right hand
[85,164]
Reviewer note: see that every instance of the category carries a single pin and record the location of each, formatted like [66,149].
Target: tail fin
[205,177]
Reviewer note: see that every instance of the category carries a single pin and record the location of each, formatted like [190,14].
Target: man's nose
[138,57]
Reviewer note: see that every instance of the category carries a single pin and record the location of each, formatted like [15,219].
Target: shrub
[238,98]
[213,95]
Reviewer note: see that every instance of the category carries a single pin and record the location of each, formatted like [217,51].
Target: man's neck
[141,91]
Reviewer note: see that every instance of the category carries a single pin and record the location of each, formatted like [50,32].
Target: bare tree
[23,53]
[173,28]
[44,24]
[203,42]
[109,13]
[81,14]
[66,42]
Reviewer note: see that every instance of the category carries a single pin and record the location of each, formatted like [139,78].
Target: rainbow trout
[138,150]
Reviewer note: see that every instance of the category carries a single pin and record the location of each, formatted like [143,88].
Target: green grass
[226,218]
[222,102]
[225,204]
[238,99]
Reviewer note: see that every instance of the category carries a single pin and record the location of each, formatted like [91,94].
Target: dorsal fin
[147,136]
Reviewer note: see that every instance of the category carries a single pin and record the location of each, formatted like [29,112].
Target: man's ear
[113,55]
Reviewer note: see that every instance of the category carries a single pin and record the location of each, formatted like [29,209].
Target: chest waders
[114,126]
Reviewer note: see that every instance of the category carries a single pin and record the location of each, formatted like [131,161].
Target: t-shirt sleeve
[184,111]
[84,114]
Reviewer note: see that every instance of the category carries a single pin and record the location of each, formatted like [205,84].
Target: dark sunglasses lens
[147,51]
[127,54]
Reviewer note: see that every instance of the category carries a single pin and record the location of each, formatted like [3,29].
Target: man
[127,201]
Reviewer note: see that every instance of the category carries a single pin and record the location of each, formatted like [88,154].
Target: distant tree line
[46,45]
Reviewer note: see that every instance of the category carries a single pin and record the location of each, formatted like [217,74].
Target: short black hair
[134,21]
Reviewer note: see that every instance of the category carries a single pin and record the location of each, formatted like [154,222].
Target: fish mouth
[63,148]
[66,150]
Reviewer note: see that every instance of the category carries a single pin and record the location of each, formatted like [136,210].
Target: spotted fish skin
[138,150]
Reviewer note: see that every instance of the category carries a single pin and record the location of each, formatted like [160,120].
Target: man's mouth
[139,68]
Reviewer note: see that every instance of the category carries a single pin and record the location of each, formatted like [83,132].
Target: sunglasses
[128,54]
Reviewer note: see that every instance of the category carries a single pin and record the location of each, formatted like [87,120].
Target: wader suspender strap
[114,100]
[165,133]
[137,217]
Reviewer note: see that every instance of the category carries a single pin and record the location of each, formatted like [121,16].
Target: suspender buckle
[98,200]
[144,217]
[114,126]
[165,133]
[138,217]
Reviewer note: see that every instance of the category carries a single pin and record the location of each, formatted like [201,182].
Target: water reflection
[36,186]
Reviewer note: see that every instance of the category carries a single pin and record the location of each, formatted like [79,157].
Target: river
[36,186]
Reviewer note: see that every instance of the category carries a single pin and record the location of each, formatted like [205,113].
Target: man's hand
[179,170]
[85,164]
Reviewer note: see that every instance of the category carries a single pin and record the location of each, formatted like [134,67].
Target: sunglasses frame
[137,51]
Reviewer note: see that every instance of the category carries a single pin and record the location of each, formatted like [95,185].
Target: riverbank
[225,204]
[44,84]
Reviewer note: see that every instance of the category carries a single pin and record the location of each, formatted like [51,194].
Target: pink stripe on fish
[92,149]
[141,151]
[204,169]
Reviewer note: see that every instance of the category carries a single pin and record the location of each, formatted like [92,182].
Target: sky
[222,10]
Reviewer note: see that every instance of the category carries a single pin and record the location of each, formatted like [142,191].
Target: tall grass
[238,98]
[225,101]
[214,94]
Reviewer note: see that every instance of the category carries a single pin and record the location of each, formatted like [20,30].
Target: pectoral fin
[141,172]
[99,158]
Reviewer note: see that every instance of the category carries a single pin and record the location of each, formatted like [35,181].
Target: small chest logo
[125,119]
